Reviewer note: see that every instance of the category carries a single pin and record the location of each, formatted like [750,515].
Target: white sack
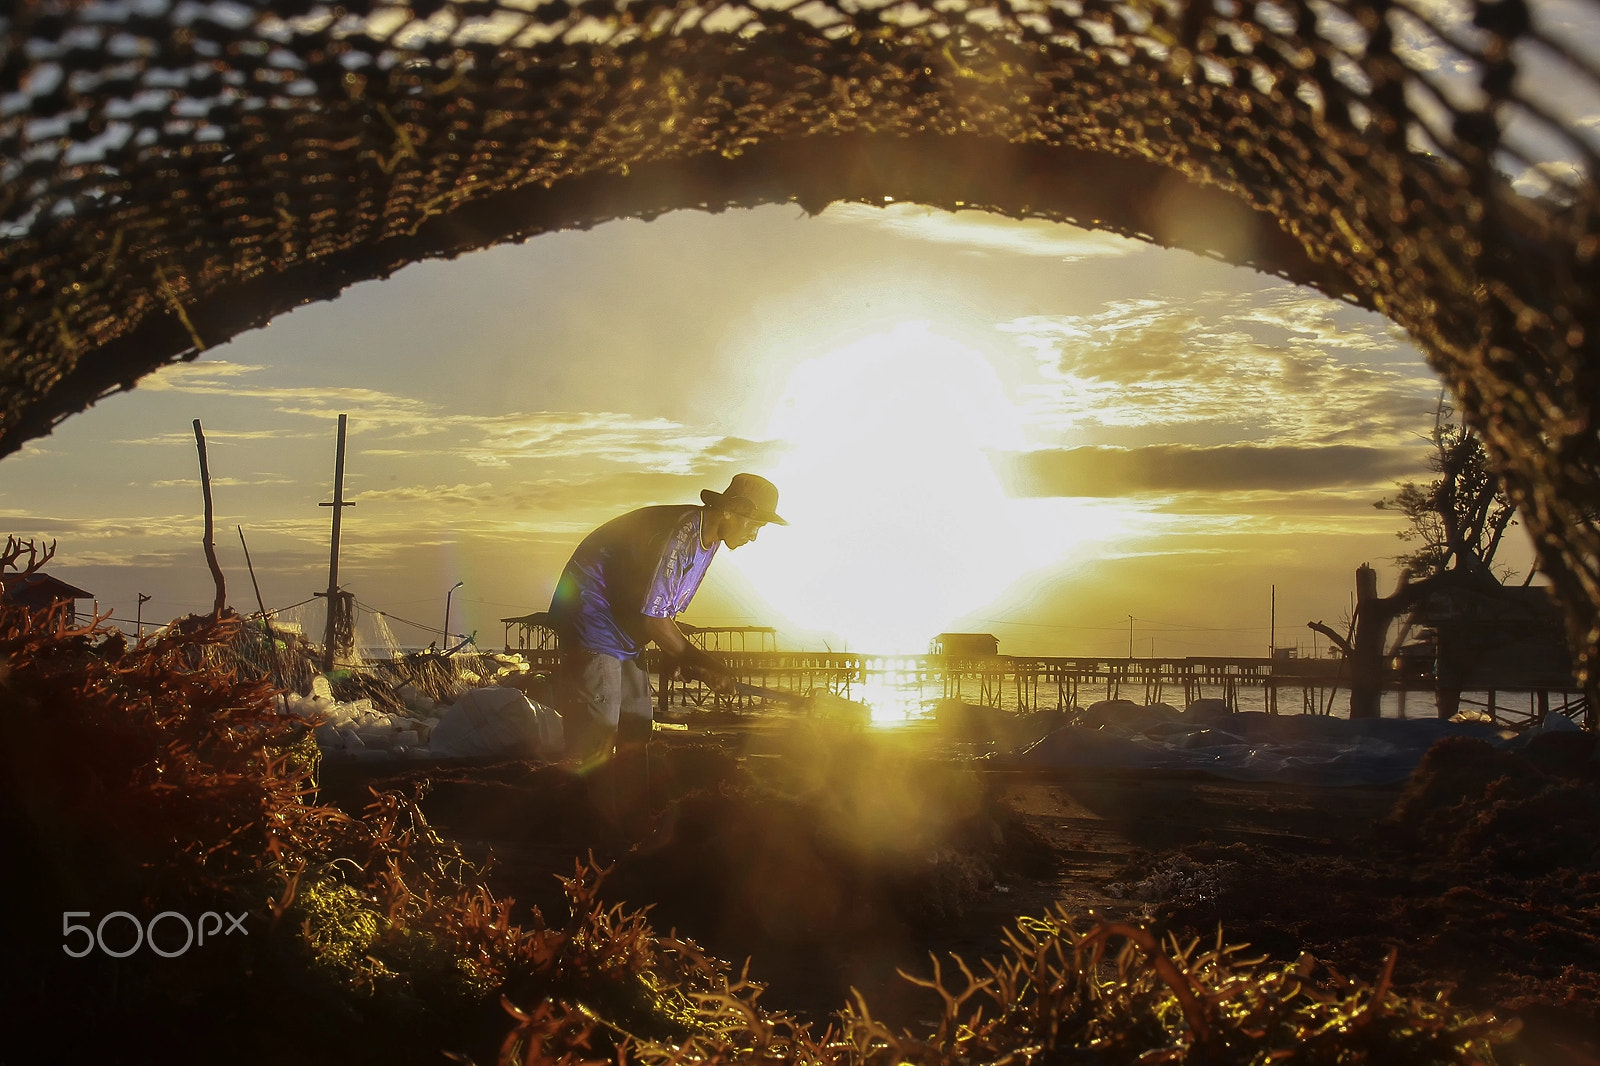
[496,721]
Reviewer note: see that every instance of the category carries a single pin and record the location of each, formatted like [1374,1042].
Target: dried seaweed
[1487,870]
[1063,995]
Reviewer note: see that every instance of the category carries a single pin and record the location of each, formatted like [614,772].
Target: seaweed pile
[146,778]
[1485,876]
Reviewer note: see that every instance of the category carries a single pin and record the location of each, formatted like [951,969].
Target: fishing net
[172,173]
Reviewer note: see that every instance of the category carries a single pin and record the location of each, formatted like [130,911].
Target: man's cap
[748,494]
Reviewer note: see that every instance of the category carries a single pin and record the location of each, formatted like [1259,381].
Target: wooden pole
[210,545]
[447,596]
[1272,651]
[1272,624]
[272,639]
[338,505]
[1373,615]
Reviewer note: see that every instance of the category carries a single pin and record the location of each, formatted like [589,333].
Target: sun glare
[899,524]
[894,696]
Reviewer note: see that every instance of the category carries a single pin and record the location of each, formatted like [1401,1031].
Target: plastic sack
[496,721]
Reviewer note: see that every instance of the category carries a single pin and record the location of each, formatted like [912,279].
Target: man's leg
[594,698]
[634,711]
[632,763]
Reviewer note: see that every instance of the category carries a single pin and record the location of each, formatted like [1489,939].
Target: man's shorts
[604,700]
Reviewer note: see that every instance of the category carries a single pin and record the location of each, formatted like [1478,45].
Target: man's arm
[693,661]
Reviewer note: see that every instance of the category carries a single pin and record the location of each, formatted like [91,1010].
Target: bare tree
[1458,520]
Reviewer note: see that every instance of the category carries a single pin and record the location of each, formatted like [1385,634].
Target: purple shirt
[647,562]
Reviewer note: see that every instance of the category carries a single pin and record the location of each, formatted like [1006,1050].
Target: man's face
[738,529]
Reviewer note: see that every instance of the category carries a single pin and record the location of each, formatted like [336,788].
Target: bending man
[622,590]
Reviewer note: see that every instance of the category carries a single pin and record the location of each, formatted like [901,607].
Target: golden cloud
[979,231]
[1291,368]
[1170,468]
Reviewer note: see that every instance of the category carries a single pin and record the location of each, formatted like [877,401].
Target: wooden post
[1366,661]
[210,545]
[338,505]
[1272,625]
[272,639]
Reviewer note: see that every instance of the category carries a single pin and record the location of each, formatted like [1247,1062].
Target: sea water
[895,699]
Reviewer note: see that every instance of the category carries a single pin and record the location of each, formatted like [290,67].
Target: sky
[1083,444]
[1071,440]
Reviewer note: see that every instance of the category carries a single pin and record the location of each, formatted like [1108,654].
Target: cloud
[185,438]
[981,232]
[74,530]
[492,440]
[749,452]
[212,375]
[657,443]
[137,539]
[1311,321]
[222,482]
[30,449]
[1171,468]
[371,410]
[547,503]
[601,493]
[1286,365]
[619,491]
[437,495]
[124,541]
[1341,501]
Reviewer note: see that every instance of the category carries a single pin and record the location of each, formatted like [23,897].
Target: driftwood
[209,541]
[16,548]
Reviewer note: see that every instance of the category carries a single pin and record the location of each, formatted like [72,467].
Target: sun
[899,525]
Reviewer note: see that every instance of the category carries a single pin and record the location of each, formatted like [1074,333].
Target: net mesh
[172,173]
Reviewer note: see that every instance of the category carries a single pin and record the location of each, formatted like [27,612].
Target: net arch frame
[174,172]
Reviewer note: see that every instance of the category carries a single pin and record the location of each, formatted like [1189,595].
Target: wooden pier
[1025,684]
[1017,683]
[1029,684]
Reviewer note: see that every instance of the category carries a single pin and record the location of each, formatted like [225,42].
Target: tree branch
[1501,522]
[1339,642]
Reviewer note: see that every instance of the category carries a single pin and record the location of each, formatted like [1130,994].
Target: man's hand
[690,661]
[710,673]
